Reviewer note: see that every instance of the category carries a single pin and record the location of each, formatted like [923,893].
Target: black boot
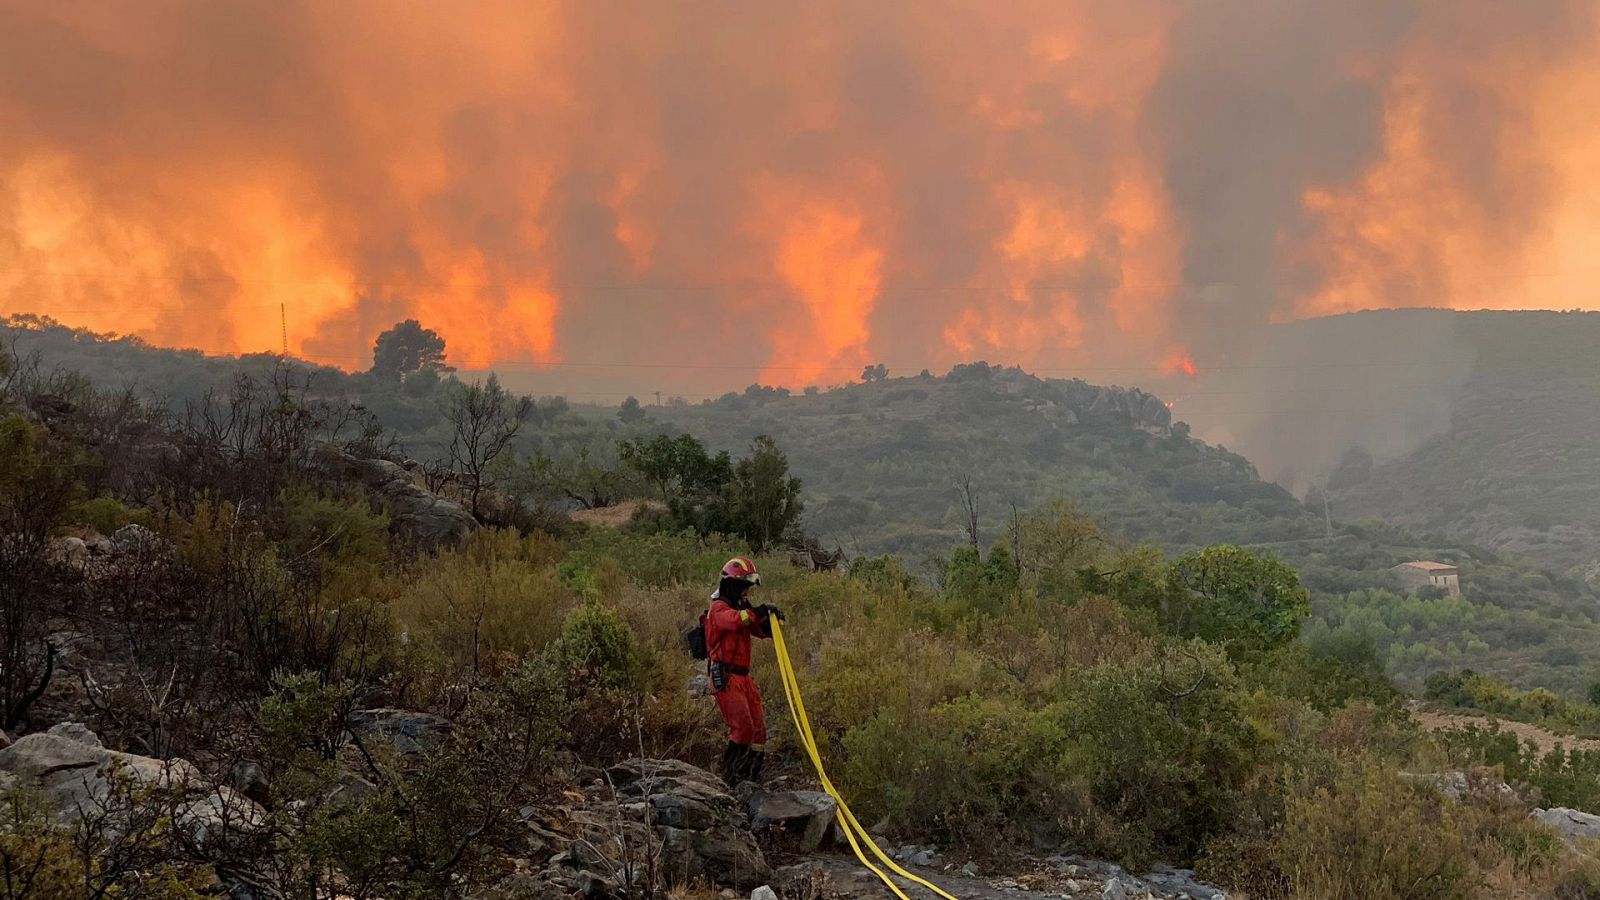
[754,761]
[733,763]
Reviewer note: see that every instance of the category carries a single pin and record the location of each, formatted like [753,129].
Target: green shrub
[599,648]
[105,514]
[343,530]
[650,559]
[1468,689]
[1160,745]
[1234,597]
[1325,670]
[1562,777]
[965,770]
[37,859]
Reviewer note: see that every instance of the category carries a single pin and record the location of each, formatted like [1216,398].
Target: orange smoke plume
[788,191]
[1460,208]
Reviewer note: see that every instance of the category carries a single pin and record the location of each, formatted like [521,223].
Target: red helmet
[741,568]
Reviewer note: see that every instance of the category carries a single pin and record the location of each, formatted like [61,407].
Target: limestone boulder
[75,777]
[1573,824]
[802,818]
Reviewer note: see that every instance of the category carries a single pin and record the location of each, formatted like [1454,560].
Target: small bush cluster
[1470,690]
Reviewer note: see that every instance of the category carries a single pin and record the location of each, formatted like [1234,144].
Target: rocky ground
[643,823]
[1072,878]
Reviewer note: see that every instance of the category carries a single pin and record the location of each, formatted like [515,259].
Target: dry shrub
[1372,834]
[488,604]
[1362,829]
[675,722]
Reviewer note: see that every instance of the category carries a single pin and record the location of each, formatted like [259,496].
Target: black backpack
[694,639]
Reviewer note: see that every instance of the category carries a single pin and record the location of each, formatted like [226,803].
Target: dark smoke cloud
[1256,104]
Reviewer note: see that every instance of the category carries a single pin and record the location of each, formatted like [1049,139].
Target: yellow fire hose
[851,828]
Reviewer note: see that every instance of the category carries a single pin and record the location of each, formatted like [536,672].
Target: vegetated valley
[274,631]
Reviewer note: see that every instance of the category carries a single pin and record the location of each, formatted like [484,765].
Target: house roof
[1427,566]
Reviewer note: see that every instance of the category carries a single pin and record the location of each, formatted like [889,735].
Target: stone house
[1421,573]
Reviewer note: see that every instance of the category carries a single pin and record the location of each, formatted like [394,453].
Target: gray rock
[100,545]
[1458,785]
[637,778]
[691,813]
[807,815]
[732,857]
[410,733]
[137,539]
[1182,883]
[73,551]
[1573,824]
[679,811]
[764,892]
[431,520]
[802,879]
[1117,889]
[593,884]
[350,791]
[75,731]
[68,770]
[247,777]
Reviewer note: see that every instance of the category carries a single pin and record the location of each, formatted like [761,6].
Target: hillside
[881,461]
[883,465]
[885,462]
[265,660]
[1483,427]
[1518,467]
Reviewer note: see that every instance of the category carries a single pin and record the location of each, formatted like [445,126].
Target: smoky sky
[609,197]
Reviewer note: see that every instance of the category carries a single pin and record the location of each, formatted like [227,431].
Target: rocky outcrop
[1056,878]
[1092,402]
[646,821]
[702,834]
[1574,825]
[1478,785]
[429,519]
[409,734]
[74,777]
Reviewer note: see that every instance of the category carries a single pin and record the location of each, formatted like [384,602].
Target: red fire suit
[728,634]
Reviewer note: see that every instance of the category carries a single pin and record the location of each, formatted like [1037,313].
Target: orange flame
[1501,219]
[905,182]
[1178,362]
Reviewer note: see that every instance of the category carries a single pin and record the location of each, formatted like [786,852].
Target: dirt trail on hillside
[1543,738]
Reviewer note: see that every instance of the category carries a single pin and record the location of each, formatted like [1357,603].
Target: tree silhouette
[631,411]
[407,348]
[484,419]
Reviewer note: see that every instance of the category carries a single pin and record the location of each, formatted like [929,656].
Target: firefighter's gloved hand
[772,612]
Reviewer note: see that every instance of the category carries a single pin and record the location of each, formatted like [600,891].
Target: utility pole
[283,326]
[1327,516]
[658,398]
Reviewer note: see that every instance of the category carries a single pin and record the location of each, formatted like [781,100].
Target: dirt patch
[613,516]
[1543,738]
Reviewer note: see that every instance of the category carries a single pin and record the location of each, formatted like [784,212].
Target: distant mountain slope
[1516,467]
[883,461]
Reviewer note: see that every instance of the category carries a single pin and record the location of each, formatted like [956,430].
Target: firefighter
[730,625]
